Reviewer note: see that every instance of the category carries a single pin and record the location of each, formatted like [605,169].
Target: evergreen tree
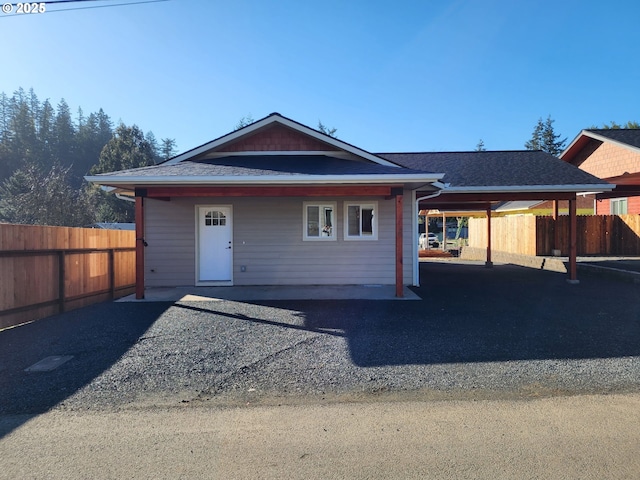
[544,138]
[168,148]
[127,149]
[326,130]
[244,121]
[631,124]
[480,146]
[63,149]
[33,196]
[155,148]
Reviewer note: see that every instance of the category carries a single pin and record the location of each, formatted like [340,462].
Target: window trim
[374,221]
[334,233]
[618,201]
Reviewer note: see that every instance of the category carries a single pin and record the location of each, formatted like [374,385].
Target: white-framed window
[618,206]
[361,220]
[319,221]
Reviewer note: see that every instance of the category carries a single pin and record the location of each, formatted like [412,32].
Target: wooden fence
[532,235]
[47,270]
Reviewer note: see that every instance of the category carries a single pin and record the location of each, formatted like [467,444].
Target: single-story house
[614,156]
[280,203]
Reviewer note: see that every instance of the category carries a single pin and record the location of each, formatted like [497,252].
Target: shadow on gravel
[471,313]
[96,337]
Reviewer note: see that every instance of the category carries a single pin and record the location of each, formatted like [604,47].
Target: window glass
[319,221]
[215,218]
[360,221]
[619,206]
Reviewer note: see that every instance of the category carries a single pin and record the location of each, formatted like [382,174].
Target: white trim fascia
[260,179]
[600,138]
[288,123]
[578,188]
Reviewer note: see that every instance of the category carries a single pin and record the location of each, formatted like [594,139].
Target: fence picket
[45,270]
[534,235]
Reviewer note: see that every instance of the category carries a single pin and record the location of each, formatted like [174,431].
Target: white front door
[215,254]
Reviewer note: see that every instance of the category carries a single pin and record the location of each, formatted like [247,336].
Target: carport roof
[500,170]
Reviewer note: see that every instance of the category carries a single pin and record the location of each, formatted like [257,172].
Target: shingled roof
[630,136]
[265,165]
[525,168]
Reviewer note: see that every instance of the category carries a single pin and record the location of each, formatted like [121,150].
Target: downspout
[416,258]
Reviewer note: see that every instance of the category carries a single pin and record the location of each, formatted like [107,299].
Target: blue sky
[390,76]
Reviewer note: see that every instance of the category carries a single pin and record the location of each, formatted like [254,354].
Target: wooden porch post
[488,263]
[573,240]
[556,230]
[139,247]
[399,282]
[444,231]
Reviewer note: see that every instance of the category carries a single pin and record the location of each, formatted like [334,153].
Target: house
[280,203]
[614,156]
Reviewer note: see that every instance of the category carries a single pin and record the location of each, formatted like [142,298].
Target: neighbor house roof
[500,171]
[624,137]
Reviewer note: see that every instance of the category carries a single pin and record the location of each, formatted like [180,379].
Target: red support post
[573,241]
[399,282]
[488,263]
[139,248]
[556,229]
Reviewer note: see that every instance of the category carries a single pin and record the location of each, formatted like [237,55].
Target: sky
[403,76]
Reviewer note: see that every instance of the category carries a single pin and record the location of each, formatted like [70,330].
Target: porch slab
[285,292]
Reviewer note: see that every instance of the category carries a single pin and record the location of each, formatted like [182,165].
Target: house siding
[267,240]
[603,207]
[610,160]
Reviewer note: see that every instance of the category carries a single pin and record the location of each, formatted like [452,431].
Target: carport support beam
[488,263]
[399,269]
[573,242]
[139,247]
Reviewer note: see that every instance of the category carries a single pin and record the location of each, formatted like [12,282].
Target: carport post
[399,269]
[573,241]
[488,263]
[556,230]
[139,246]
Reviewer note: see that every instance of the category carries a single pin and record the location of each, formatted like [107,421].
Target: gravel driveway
[478,333]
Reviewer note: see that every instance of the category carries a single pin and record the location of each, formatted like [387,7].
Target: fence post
[112,274]
[61,280]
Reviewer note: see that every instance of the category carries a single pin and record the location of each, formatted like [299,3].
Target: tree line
[45,152]
[546,139]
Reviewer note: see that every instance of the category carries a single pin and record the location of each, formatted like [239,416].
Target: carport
[478,181]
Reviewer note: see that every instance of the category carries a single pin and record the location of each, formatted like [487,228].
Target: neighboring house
[279,203]
[614,156]
[584,205]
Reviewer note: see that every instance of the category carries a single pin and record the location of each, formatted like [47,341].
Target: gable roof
[264,169]
[625,137]
[273,119]
[500,171]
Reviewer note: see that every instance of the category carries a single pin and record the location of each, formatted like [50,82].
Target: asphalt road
[577,437]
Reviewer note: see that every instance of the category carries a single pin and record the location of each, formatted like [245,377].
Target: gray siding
[268,241]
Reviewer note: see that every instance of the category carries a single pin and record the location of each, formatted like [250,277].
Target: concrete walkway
[265,293]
